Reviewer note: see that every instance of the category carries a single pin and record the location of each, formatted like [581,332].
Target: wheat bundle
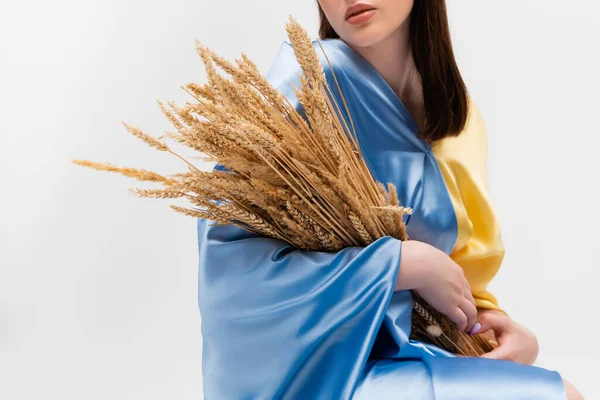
[299,179]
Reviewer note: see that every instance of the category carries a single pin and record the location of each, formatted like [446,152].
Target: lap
[457,378]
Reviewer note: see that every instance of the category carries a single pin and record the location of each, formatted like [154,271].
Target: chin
[363,37]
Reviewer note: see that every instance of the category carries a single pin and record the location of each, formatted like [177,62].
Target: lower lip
[361,18]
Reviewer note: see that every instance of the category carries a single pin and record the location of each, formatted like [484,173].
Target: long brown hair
[444,92]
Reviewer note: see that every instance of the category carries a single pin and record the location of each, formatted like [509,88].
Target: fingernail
[475,329]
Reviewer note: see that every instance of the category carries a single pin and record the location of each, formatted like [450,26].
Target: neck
[392,58]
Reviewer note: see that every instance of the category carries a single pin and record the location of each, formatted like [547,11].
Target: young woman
[283,323]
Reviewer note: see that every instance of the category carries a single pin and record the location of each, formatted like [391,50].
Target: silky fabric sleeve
[283,323]
[479,248]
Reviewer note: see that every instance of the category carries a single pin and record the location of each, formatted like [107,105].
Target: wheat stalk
[300,179]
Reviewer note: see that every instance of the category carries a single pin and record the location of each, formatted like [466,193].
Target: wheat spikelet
[260,83]
[361,212]
[431,325]
[200,214]
[171,117]
[242,99]
[384,196]
[139,174]
[359,227]
[151,141]
[326,240]
[320,122]
[200,91]
[169,193]
[305,54]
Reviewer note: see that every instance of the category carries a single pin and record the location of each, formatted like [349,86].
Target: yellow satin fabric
[479,249]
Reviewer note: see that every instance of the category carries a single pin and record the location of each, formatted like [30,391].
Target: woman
[283,323]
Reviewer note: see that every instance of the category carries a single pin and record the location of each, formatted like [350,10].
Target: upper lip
[355,8]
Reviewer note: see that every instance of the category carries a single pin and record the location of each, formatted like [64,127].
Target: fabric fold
[279,322]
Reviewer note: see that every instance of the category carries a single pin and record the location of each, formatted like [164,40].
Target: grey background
[98,287]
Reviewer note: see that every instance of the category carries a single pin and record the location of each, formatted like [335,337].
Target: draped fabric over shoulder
[479,249]
[283,323]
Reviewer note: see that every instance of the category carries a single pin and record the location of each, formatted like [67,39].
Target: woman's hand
[515,342]
[439,280]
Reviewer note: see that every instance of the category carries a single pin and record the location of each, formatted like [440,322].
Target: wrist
[412,261]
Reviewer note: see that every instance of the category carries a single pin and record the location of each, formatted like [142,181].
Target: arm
[438,280]
[288,321]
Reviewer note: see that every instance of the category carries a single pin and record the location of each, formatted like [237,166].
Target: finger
[470,312]
[499,353]
[469,295]
[458,316]
[498,323]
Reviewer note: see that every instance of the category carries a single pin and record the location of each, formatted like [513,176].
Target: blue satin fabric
[283,323]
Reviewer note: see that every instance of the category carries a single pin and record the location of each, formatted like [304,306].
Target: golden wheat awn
[299,179]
